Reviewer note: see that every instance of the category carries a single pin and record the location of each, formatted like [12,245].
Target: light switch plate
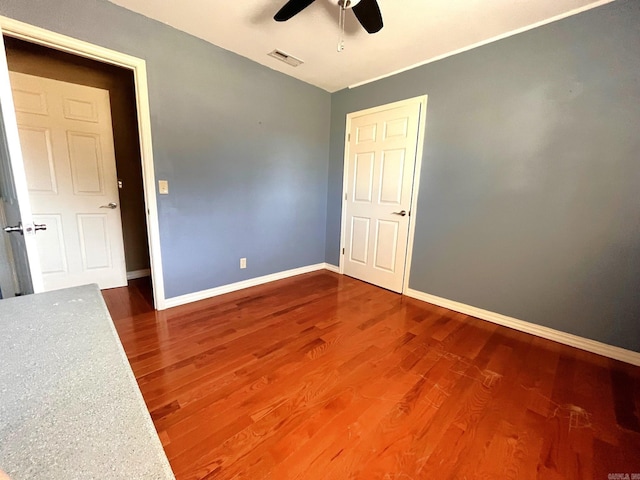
[163,187]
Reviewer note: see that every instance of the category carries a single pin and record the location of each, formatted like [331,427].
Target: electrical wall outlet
[243,263]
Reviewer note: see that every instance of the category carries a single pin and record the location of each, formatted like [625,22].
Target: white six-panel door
[67,145]
[381,156]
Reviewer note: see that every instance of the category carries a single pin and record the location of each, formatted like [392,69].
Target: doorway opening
[40,61]
[16,191]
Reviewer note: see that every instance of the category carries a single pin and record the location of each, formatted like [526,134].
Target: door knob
[402,213]
[110,205]
[29,228]
[15,228]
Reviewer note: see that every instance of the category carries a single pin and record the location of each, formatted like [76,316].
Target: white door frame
[30,33]
[422,101]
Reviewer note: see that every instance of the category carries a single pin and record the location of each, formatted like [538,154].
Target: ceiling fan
[366,11]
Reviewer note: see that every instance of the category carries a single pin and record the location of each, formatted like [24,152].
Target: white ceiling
[415,31]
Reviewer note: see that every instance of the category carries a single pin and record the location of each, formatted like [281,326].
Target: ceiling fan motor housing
[347,3]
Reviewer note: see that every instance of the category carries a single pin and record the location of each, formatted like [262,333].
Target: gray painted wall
[244,148]
[529,199]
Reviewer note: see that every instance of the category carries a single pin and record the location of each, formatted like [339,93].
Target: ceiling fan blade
[368,14]
[291,8]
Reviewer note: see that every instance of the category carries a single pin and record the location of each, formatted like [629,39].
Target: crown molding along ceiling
[415,32]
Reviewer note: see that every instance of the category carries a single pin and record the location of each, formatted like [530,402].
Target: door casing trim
[422,122]
[40,36]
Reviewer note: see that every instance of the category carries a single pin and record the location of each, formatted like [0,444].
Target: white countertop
[70,407]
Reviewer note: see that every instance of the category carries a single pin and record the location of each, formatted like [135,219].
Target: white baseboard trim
[331,268]
[232,287]
[146,272]
[589,345]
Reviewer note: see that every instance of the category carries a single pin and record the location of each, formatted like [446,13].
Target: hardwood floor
[324,376]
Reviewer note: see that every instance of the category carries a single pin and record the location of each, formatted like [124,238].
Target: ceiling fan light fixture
[285,57]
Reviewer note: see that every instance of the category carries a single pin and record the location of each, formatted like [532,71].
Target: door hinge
[348,137]
[345,195]
[343,251]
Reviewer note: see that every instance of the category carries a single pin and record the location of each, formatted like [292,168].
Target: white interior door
[381,159]
[8,276]
[67,145]
[20,272]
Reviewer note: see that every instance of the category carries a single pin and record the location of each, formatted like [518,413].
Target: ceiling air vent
[286,58]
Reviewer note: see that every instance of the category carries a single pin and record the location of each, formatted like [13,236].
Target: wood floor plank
[322,376]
